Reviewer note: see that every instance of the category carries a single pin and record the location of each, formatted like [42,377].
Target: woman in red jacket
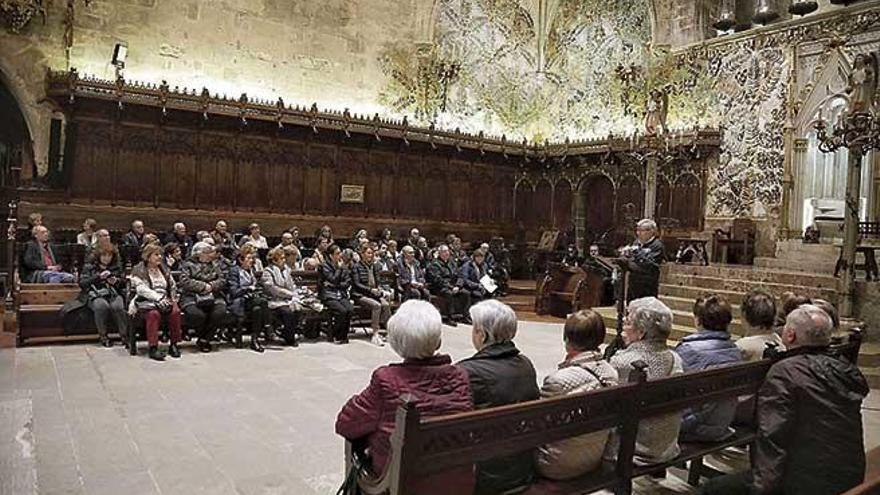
[437,387]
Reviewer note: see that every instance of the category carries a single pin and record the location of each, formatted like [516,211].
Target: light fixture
[120,52]
[765,12]
[726,18]
[803,7]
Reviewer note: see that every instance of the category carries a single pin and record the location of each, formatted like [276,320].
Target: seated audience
[414,237]
[281,291]
[178,235]
[293,258]
[294,231]
[471,272]
[135,236]
[368,291]
[202,281]
[790,302]
[385,262]
[810,436]
[709,347]
[286,240]
[38,264]
[251,248]
[222,237]
[646,327]
[255,237]
[357,239]
[87,237]
[499,374]
[321,250]
[759,313]
[156,300]
[393,253]
[572,257]
[582,370]
[326,233]
[35,219]
[422,252]
[203,236]
[247,298]
[831,311]
[173,256]
[445,283]
[411,276]
[429,379]
[334,282]
[103,285]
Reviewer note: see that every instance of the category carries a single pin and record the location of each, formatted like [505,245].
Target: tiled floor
[86,420]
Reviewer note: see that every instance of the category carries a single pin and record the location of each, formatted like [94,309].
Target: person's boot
[105,341]
[203,345]
[255,342]
[173,351]
[156,354]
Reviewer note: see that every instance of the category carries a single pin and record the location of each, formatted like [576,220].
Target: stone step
[713,284]
[800,265]
[750,273]
[795,248]
[687,304]
[691,293]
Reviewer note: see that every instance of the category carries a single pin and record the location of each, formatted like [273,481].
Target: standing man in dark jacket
[500,375]
[334,282]
[809,418]
[445,283]
[643,259]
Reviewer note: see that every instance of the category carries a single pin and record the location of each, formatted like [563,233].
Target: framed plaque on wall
[351,193]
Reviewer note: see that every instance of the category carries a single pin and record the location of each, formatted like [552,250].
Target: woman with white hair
[431,381]
[499,375]
[646,327]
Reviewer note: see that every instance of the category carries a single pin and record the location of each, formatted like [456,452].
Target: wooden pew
[566,289]
[422,446]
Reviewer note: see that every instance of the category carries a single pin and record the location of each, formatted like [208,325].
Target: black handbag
[357,469]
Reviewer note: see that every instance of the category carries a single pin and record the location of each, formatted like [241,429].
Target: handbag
[102,293]
[358,468]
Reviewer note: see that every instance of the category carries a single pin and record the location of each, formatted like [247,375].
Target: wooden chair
[736,245]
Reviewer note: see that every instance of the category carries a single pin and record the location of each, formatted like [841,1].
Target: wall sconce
[803,7]
[727,17]
[120,52]
[765,12]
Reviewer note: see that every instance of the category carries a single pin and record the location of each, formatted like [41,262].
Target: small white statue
[655,115]
[862,85]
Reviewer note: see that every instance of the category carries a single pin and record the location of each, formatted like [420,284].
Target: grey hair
[811,325]
[496,319]
[408,249]
[443,247]
[201,247]
[180,224]
[414,330]
[650,316]
[648,224]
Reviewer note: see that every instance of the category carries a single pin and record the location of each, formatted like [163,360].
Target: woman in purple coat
[436,386]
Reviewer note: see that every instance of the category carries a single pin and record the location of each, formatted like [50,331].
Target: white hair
[496,319]
[811,325]
[650,316]
[414,330]
[647,224]
[202,247]
[179,224]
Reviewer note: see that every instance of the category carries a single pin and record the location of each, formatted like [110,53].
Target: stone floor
[86,420]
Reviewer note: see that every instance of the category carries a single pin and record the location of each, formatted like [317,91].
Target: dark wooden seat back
[422,446]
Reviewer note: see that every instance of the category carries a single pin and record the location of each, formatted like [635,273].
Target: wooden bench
[423,446]
[566,289]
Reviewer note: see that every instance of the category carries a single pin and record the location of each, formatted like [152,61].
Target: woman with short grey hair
[646,327]
[499,375]
[431,381]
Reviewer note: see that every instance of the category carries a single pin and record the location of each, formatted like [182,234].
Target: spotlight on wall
[765,12]
[120,52]
[803,7]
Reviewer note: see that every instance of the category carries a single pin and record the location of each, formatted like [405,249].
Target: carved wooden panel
[134,176]
[687,201]
[630,202]
[598,194]
[562,205]
[663,206]
[524,211]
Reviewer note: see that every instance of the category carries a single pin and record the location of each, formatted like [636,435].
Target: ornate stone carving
[16,14]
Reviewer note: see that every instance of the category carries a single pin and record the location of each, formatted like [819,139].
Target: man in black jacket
[411,276]
[334,282]
[38,264]
[178,234]
[445,283]
[643,259]
[809,418]
[499,374]
[135,236]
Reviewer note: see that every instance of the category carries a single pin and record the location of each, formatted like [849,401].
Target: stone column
[652,162]
[850,231]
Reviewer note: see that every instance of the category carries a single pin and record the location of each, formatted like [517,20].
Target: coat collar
[581,358]
[703,334]
[496,351]
[435,360]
